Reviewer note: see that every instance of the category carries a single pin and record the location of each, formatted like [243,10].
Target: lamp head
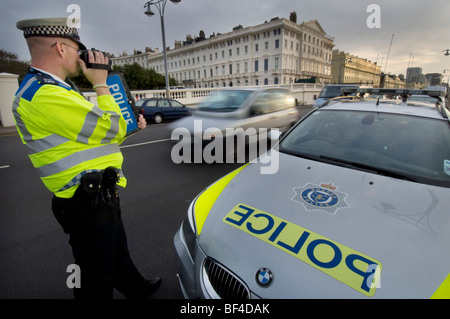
[149,12]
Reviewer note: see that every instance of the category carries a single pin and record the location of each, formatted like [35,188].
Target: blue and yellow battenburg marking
[347,265]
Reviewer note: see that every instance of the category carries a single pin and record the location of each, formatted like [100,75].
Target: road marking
[145,143]
[4,166]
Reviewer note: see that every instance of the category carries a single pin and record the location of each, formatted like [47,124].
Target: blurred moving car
[241,108]
[359,208]
[158,110]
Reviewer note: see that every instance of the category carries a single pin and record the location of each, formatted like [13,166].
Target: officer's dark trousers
[99,245]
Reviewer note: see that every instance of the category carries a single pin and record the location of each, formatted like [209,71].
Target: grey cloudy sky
[420,28]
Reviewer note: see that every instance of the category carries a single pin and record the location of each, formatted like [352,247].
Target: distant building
[350,69]
[415,76]
[279,51]
[138,57]
[392,81]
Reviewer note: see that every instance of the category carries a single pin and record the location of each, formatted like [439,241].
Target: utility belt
[101,184]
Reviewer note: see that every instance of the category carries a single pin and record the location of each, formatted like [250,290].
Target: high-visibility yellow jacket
[68,136]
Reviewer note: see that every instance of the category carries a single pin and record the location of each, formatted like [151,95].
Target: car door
[150,107]
[273,109]
[165,108]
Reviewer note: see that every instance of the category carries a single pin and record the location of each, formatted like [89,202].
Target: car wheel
[157,118]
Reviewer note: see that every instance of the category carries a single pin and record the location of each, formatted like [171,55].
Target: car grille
[226,285]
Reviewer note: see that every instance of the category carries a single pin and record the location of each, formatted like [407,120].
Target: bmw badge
[264,277]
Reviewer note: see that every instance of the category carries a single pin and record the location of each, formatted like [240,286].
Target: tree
[139,78]
[9,63]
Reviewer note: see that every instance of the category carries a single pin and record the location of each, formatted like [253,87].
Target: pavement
[8,130]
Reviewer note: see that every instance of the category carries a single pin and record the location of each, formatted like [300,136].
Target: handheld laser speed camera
[119,90]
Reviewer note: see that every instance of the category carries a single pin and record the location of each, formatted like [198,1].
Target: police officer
[75,148]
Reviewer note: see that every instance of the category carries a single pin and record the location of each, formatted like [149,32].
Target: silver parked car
[359,208]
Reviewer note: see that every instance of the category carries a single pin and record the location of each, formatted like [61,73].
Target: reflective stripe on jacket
[67,135]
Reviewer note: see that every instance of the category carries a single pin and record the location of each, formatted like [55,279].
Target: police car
[358,208]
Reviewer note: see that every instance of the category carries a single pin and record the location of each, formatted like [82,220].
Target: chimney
[293,17]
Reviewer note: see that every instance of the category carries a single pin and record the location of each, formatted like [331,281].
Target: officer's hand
[142,123]
[95,76]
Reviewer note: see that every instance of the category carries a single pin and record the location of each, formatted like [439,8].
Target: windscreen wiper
[367,168]
[298,154]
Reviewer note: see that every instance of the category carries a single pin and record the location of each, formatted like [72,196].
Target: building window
[256,66]
[277,43]
[256,47]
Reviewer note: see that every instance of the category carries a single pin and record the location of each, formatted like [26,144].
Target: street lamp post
[161,6]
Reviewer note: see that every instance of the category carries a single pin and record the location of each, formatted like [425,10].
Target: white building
[276,52]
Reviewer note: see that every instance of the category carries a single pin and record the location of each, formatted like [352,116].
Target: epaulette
[46,79]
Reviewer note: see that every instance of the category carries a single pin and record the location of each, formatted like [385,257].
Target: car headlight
[199,210]
[190,219]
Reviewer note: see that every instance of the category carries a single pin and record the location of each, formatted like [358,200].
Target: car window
[176,103]
[151,103]
[414,147]
[263,104]
[225,101]
[139,102]
[164,103]
[272,101]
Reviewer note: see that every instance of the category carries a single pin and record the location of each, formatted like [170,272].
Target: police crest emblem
[323,197]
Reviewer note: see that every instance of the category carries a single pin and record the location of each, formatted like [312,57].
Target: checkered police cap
[49,27]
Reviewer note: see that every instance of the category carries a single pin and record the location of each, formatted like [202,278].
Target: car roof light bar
[403,92]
